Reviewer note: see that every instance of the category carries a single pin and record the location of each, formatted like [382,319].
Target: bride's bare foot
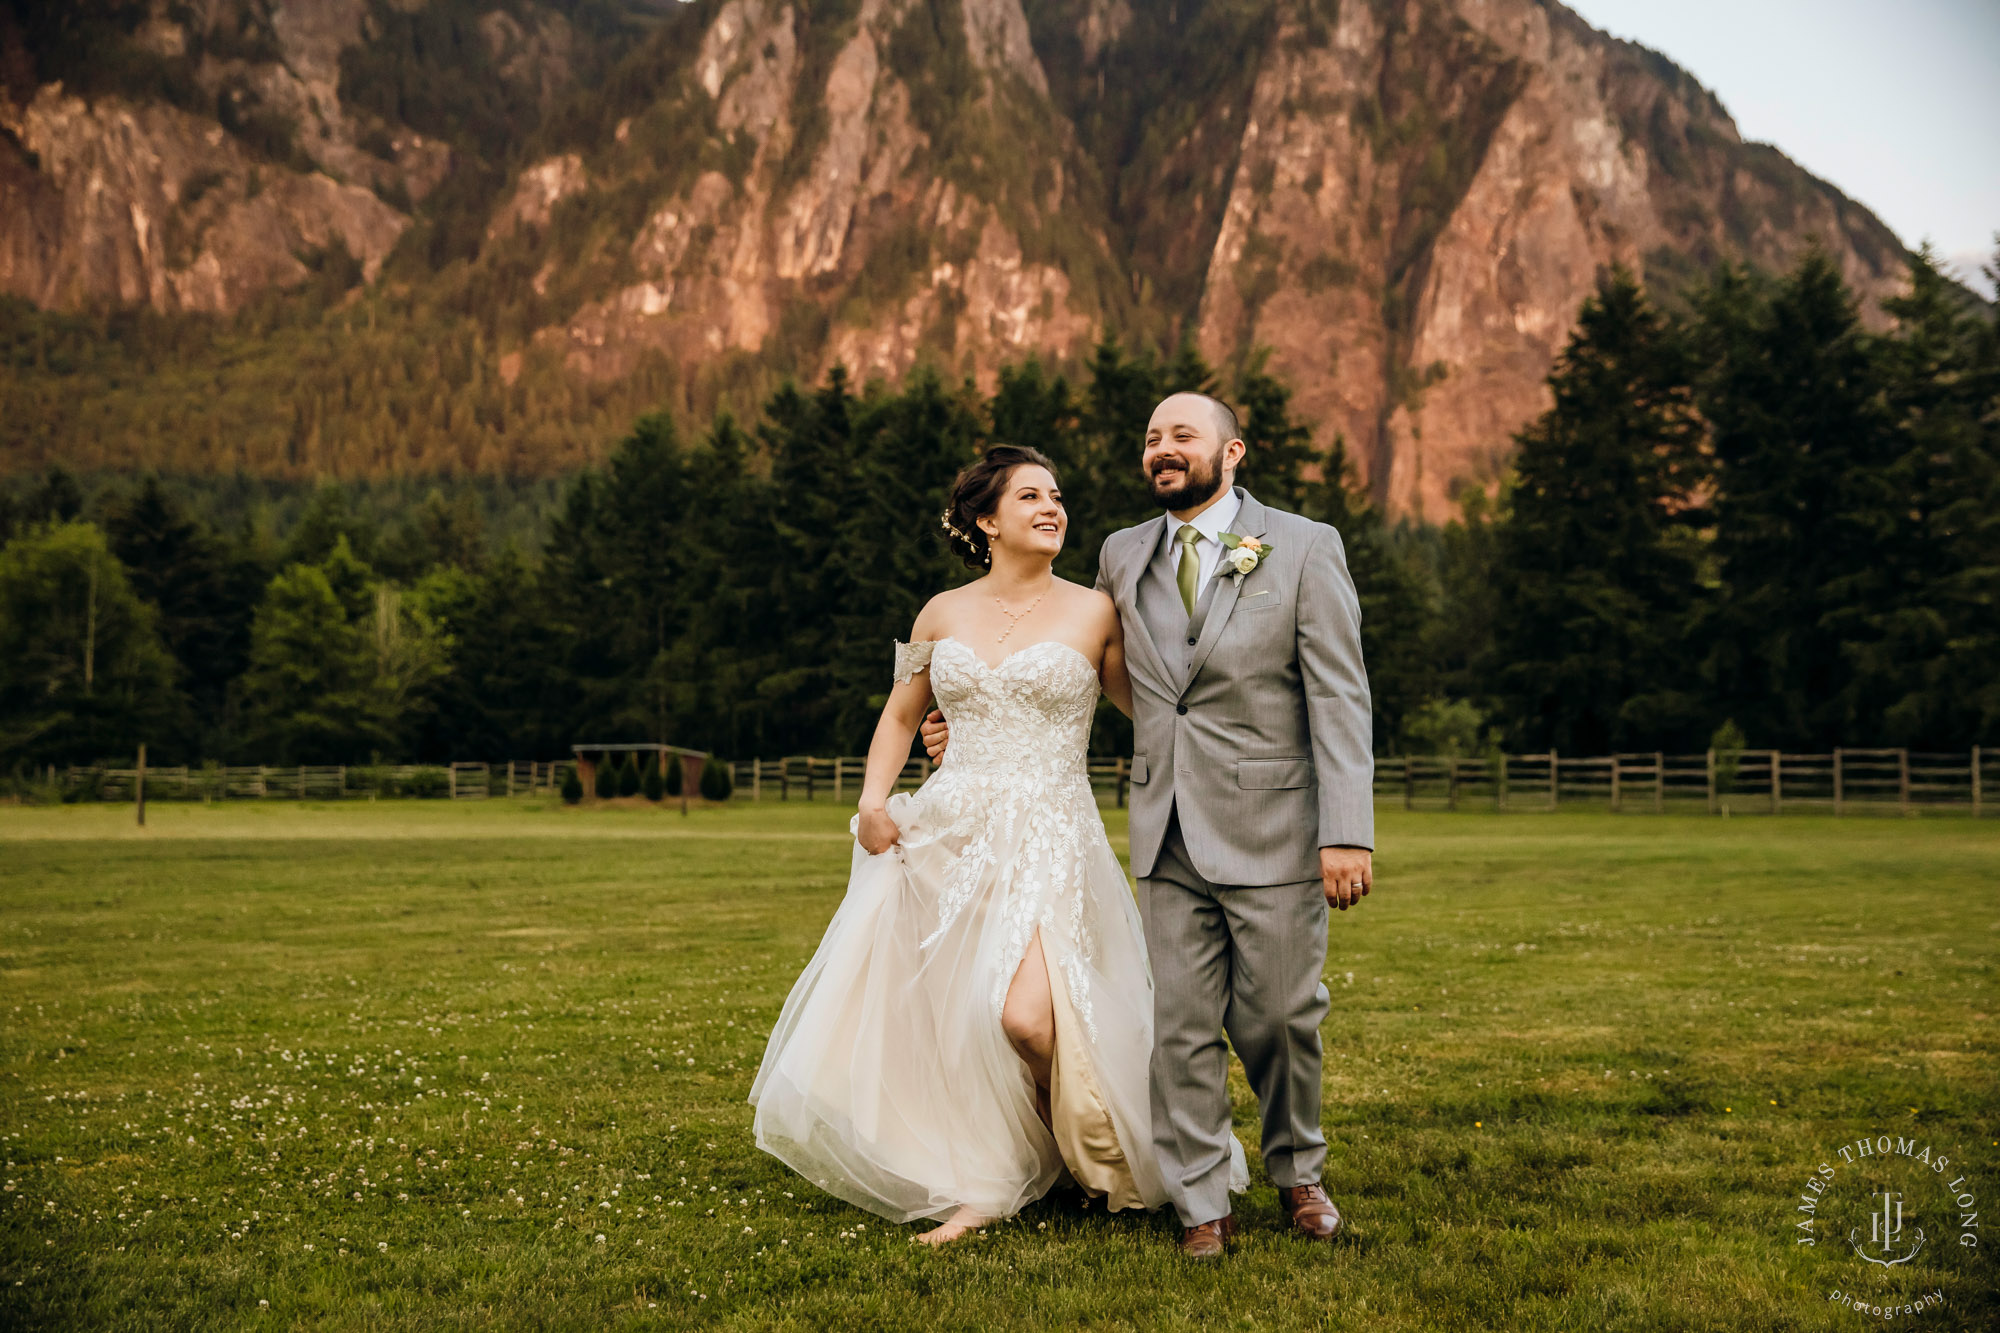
[960,1222]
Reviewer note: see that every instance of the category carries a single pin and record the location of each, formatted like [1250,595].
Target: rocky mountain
[1399,204]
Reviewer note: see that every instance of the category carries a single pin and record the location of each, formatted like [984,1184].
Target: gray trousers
[1245,960]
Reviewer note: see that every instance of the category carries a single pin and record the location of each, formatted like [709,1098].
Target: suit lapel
[1140,647]
[1213,611]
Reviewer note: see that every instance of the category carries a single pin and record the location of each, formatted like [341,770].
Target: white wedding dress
[888,1081]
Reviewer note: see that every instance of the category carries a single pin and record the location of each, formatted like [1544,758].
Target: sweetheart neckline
[1039,643]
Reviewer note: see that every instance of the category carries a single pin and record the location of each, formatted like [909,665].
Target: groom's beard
[1185,489]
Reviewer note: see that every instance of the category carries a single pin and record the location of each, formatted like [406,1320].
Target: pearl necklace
[1015,618]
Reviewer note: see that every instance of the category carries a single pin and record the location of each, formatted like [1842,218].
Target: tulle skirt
[888,1081]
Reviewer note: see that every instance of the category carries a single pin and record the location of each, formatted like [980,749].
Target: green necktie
[1189,569]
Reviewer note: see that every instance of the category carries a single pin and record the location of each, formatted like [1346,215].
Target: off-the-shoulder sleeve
[912,658]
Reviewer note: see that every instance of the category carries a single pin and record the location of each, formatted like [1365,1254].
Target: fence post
[1903,781]
[1451,783]
[1555,780]
[1409,782]
[1839,782]
[1711,780]
[1777,782]
[451,781]
[1617,792]
[1659,782]
[1975,782]
[1500,787]
[139,785]
[343,781]
[1125,772]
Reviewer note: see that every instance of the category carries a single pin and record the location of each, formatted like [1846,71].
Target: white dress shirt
[1211,523]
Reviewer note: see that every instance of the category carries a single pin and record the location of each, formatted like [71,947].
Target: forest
[1744,514]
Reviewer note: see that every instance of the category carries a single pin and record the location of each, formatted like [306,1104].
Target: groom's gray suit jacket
[1252,717]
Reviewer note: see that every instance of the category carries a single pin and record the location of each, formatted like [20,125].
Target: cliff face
[1424,195]
[1405,202]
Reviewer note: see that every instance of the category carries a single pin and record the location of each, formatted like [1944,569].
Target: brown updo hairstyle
[977,493]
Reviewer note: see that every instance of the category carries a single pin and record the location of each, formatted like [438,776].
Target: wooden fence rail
[1846,781]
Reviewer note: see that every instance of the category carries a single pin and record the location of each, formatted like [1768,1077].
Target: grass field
[432,1066]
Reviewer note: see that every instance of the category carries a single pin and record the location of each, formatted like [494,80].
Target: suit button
[1190,643]
[1180,708]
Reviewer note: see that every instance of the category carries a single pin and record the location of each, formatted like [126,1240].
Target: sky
[1897,104]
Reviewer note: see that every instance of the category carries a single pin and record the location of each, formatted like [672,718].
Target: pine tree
[1919,618]
[1395,602]
[1278,449]
[1802,444]
[1599,553]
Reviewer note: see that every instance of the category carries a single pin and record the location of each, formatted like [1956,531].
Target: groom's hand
[1347,873]
[936,735]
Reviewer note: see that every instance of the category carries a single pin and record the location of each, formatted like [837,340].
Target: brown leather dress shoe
[1208,1240]
[1312,1213]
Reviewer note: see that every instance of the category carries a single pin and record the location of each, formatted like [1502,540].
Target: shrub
[654,786]
[427,782]
[674,766]
[628,776]
[716,784]
[572,789]
[607,780]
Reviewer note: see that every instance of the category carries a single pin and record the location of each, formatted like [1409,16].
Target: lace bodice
[1013,777]
[1028,718]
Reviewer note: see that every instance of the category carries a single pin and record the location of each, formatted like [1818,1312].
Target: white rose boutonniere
[1242,554]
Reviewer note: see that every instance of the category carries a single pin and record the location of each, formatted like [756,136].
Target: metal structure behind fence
[1847,781]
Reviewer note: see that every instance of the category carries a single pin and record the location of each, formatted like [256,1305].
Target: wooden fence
[1741,782]
[810,778]
[1847,781]
[216,782]
[1882,781]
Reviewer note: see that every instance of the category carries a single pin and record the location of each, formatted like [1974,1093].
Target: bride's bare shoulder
[939,613]
[1087,601]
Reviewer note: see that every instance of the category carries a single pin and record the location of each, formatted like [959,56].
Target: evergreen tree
[83,674]
[330,518]
[908,447]
[809,439]
[1600,556]
[1803,445]
[716,782]
[1278,449]
[1395,603]
[306,696]
[1919,620]
[203,596]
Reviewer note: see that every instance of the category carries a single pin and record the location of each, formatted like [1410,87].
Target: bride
[979,1016]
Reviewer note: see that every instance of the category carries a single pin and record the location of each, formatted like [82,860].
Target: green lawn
[424,1066]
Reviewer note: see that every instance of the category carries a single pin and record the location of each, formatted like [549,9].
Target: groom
[1252,805]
